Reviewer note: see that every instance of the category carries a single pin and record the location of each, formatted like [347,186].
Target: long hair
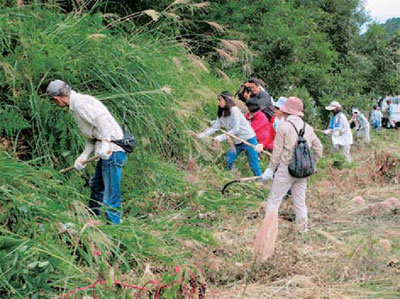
[226,111]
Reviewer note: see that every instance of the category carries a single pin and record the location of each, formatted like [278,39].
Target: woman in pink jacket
[260,124]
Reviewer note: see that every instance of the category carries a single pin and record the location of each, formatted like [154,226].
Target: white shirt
[95,123]
[342,135]
[236,124]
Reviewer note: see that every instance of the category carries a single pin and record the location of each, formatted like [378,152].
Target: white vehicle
[395,101]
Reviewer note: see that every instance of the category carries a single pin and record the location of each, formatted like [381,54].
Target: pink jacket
[263,129]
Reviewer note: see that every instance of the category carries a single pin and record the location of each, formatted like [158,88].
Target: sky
[381,10]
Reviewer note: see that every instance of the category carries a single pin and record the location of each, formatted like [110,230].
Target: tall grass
[49,241]
[136,76]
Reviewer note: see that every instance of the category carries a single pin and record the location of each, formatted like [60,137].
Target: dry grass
[154,15]
[223,75]
[350,252]
[198,64]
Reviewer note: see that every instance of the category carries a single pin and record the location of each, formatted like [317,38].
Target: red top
[273,132]
[265,133]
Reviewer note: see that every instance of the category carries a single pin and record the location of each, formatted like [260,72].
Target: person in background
[99,128]
[391,123]
[339,128]
[376,118]
[252,89]
[261,126]
[363,124]
[231,118]
[278,115]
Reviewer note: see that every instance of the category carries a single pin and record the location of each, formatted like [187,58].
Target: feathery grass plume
[218,27]
[155,15]
[233,45]
[206,93]
[201,5]
[123,19]
[180,2]
[172,15]
[225,55]
[166,89]
[196,62]
[97,36]
[109,15]
[222,74]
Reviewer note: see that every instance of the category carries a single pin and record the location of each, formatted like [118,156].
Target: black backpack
[302,164]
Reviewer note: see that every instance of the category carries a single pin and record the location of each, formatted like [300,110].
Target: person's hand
[104,151]
[79,164]
[201,136]
[219,138]
[259,148]
[268,174]
[336,133]
[327,131]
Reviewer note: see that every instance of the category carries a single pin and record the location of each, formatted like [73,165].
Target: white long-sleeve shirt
[95,123]
[236,124]
[342,135]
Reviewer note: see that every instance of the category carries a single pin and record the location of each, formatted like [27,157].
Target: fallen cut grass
[350,251]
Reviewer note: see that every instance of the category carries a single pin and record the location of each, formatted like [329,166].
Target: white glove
[201,136]
[268,174]
[336,133]
[327,131]
[104,150]
[219,138]
[259,148]
[79,164]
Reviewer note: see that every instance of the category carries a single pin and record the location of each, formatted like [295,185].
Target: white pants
[282,183]
[345,150]
[390,123]
[364,131]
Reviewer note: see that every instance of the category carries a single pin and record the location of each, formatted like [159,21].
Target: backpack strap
[301,133]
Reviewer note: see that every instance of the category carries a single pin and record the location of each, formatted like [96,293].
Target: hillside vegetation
[158,66]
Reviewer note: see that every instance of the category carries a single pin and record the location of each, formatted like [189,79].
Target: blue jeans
[376,124]
[105,186]
[251,154]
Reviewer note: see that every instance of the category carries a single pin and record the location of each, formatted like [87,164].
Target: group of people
[267,126]
[340,128]
[270,126]
[257,127]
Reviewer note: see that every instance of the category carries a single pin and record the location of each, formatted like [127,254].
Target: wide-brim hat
[293,106]
[333,105]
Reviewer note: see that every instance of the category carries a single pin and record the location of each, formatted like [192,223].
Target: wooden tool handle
[243,141]
[83,163]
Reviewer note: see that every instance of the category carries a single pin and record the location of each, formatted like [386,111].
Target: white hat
[280,102]
[333,105]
